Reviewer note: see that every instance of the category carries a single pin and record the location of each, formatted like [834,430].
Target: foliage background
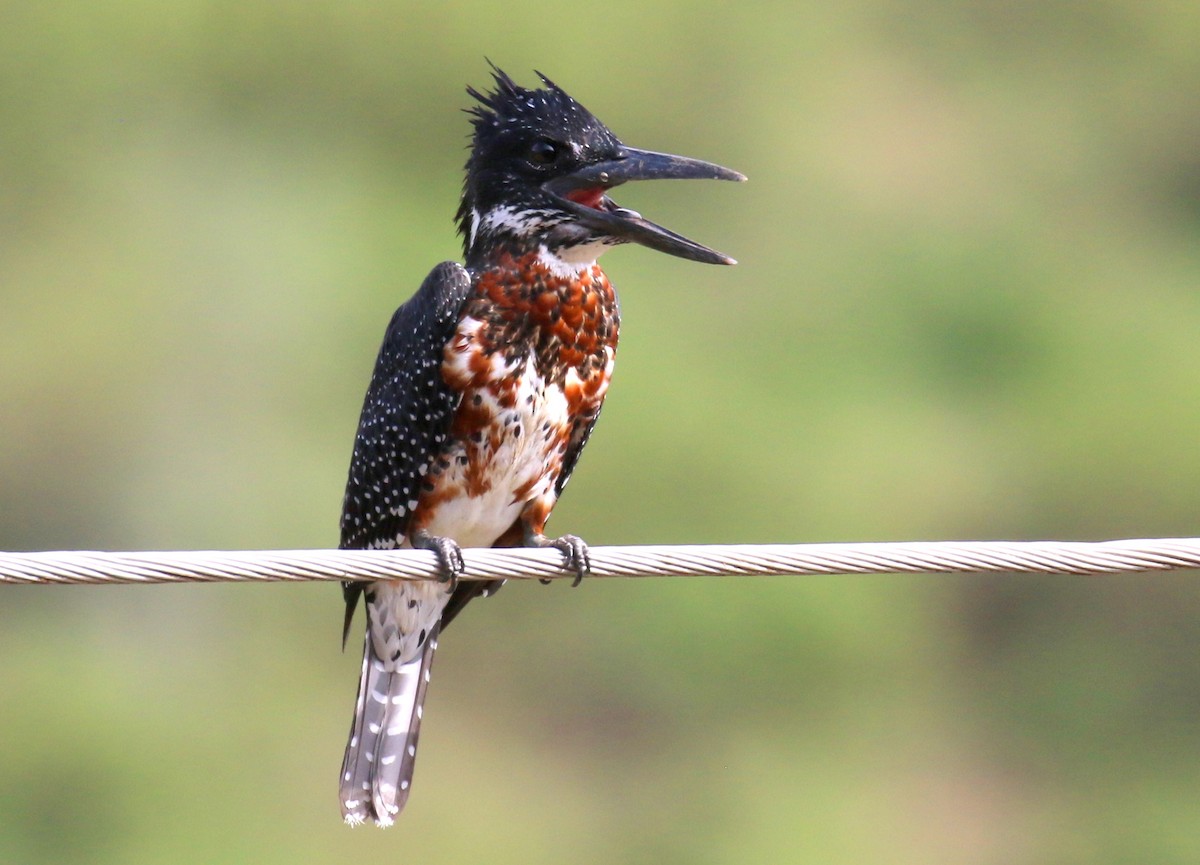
[967,308]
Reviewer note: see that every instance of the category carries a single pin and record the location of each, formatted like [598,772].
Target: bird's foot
[574,550]
[449,555]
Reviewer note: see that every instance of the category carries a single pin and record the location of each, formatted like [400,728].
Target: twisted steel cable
[935,557]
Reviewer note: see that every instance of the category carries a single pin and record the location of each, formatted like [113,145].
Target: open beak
[583,193]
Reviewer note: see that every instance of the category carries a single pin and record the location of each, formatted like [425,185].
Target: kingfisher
[484,393]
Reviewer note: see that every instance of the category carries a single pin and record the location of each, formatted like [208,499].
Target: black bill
[583,191]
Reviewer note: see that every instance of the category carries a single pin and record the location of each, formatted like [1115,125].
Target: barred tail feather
[378,767]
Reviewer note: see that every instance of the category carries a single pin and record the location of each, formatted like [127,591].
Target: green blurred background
[967,308]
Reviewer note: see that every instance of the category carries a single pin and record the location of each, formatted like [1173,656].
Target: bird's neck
[565,262]
[535,272]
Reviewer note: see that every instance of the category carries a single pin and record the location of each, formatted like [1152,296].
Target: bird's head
[539,173]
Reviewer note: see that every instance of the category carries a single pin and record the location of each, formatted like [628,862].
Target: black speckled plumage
[406,417]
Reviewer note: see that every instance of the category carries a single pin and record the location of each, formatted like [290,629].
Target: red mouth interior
[587,197]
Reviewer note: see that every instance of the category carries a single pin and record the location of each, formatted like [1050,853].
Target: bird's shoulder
[434,307]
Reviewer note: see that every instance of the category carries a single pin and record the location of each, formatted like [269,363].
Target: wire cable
[934,557]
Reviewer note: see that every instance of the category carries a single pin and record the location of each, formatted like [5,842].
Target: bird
[485,391]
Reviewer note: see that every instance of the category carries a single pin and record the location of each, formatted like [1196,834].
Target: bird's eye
[544,152]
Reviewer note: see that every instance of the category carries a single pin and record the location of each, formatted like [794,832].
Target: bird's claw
[449,556]
[575,554]
[575,551]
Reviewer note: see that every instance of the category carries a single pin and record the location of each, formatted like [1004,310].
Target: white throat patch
[568,261]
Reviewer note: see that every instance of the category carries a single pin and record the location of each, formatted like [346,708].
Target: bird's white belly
[495,478]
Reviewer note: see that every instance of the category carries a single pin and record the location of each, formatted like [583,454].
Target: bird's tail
[378,767]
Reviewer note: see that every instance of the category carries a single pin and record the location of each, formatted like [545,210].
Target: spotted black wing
[405,418]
